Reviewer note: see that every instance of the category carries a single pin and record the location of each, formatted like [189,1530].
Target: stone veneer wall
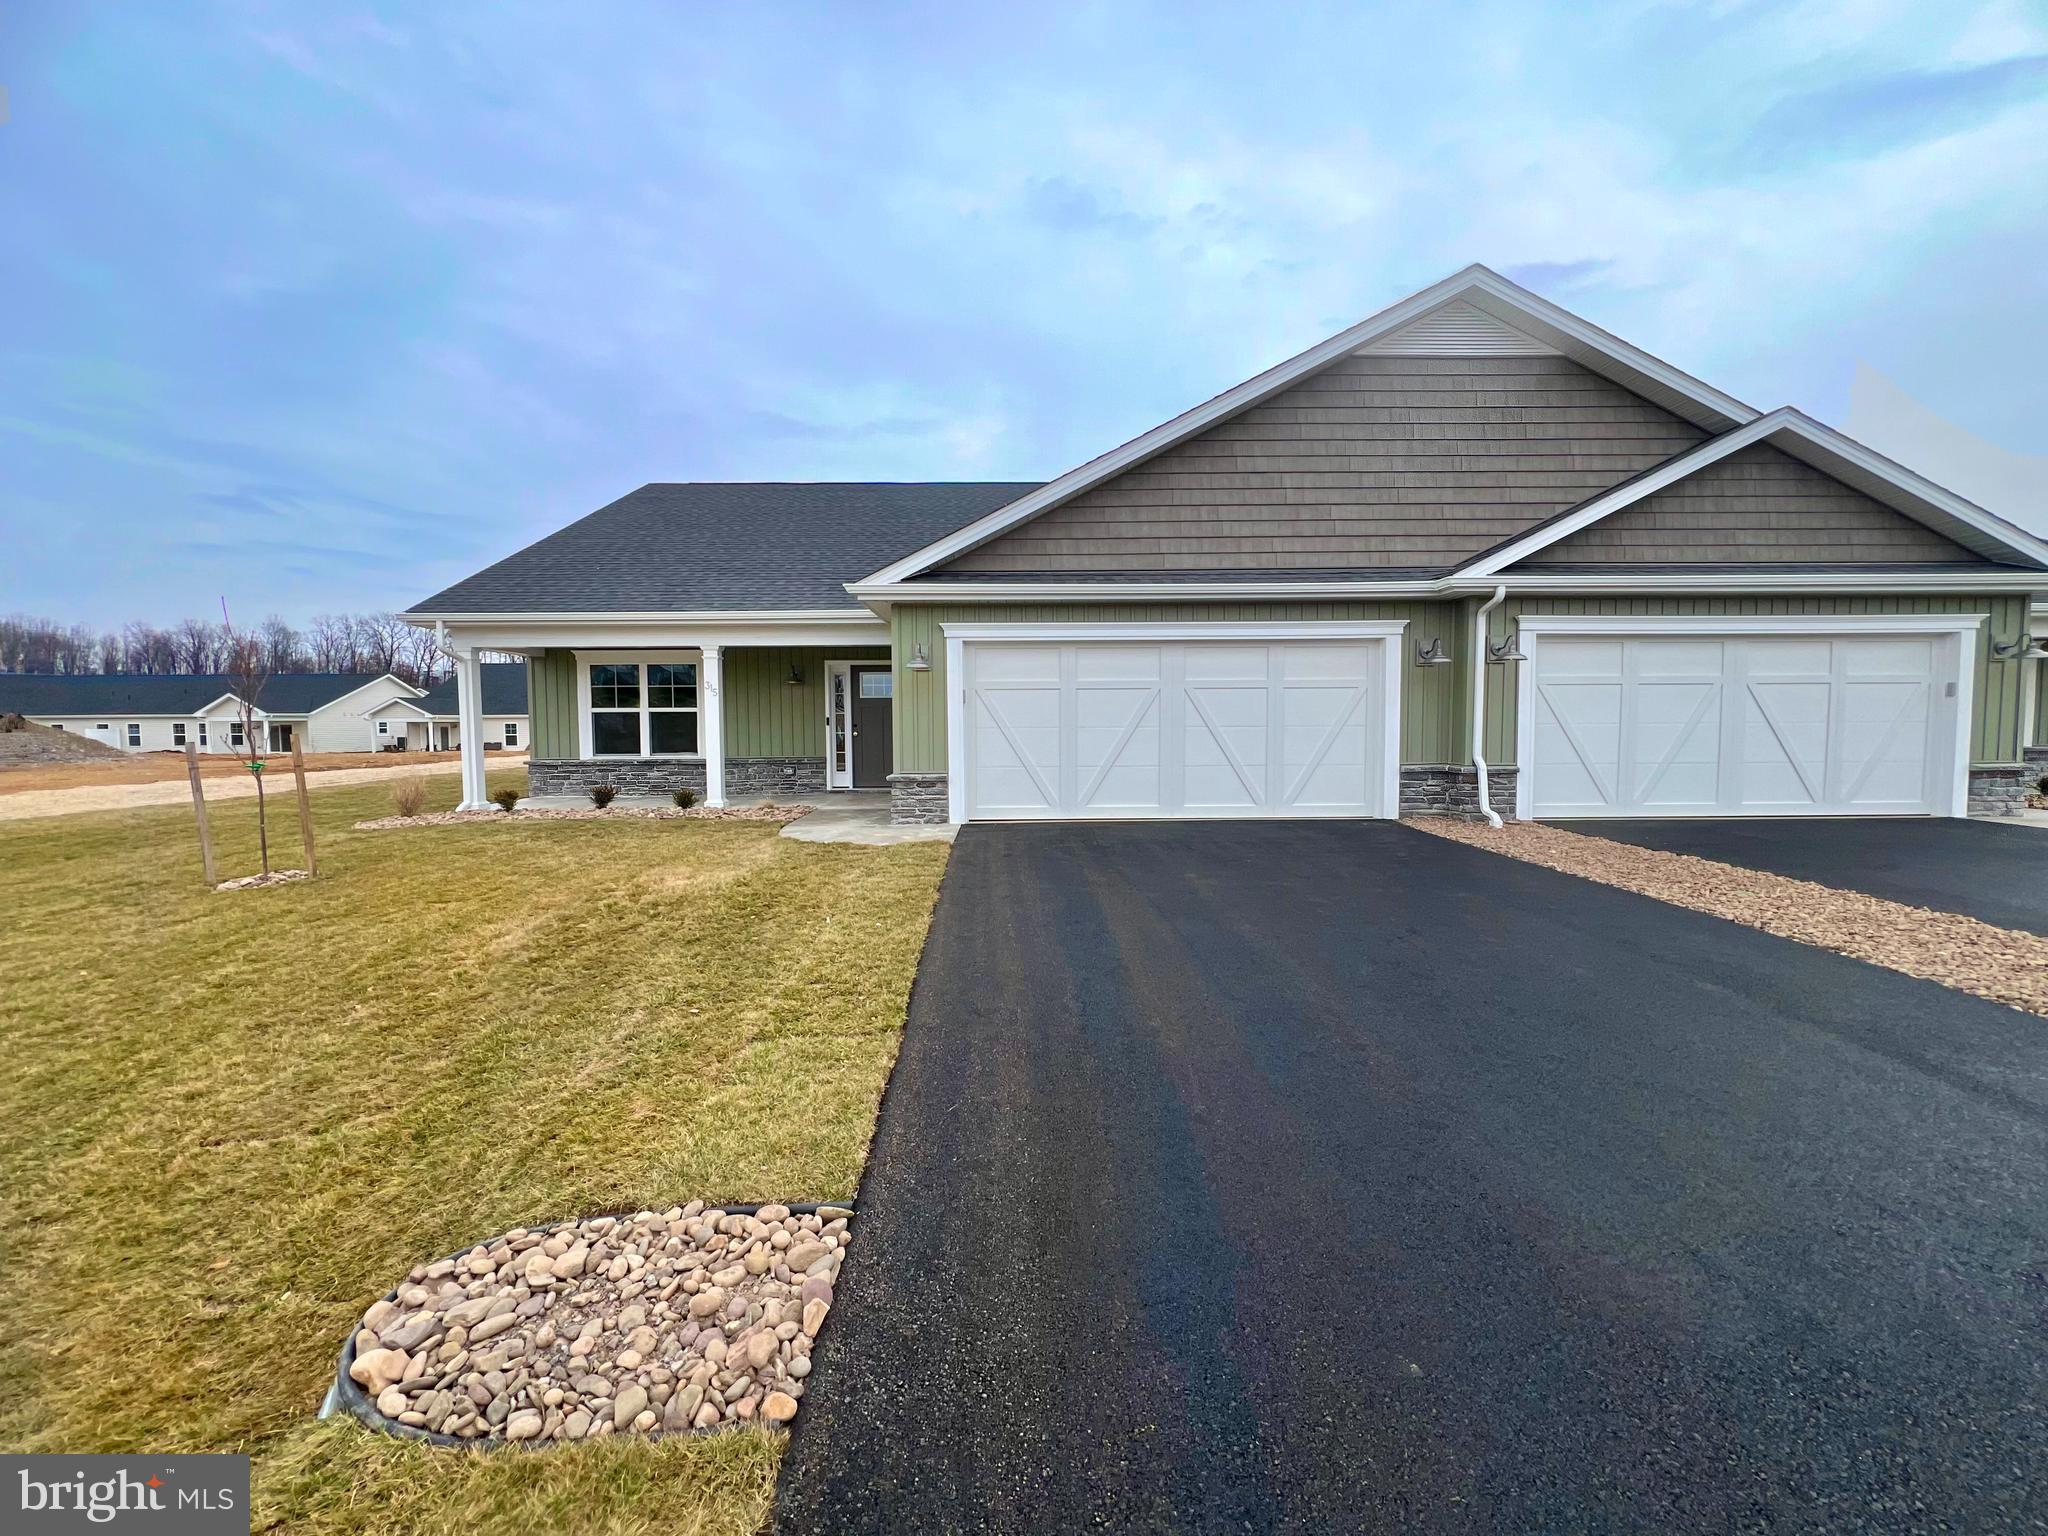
[1446,790]
[2037,757]
[2000,791]
[917,799]
[628,775]
[747,777]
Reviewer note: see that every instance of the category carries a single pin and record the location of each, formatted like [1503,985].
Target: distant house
[432,723]
[325,711]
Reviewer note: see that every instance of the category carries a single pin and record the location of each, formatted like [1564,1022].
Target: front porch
[729,722]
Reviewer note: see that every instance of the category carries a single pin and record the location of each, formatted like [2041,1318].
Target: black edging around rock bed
[347,1395]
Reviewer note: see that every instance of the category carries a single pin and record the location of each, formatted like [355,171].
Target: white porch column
[469,722]
[711,720]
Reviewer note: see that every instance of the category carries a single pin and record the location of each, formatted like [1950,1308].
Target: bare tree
[384,637]
[331,642]
[198,647]
[248,665]
[280,642]
[421,659]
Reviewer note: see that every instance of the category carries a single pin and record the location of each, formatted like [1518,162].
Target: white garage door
[1176,729]
[1798,725]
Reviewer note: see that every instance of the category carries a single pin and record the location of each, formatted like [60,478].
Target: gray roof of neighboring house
[504,691]
[124,693]
[725,547]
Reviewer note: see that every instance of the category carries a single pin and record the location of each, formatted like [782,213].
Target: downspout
[1479,665]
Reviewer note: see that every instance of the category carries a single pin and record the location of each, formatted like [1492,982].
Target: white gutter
[1479,649]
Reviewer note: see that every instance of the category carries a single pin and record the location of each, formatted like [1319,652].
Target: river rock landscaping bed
[773,813]
[653,1323]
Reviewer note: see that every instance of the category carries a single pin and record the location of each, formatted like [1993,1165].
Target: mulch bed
[1962,952]
[780,814]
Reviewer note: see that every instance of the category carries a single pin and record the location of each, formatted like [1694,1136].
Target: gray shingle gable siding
[1375,462]
[725,548]
[1756,506]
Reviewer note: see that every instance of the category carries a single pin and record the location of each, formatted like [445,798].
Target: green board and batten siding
[768,716]
[765,714]
[1995,733]
[551,704]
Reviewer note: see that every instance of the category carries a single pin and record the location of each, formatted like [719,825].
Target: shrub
[685,798]
[602,795]
[409,794]
[505,798]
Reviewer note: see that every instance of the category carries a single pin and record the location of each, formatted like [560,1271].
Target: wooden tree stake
[305,805]
[199,814]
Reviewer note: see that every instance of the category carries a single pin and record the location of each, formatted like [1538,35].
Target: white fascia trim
[1393,659]
[1753,624]
[1121,591]
[679,616]
[1782,425]
[1460,584]
[1250,629]
[845,629]
[1992,579]
[1717,409]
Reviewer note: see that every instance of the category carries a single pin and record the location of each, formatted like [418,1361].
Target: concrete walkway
[131,797]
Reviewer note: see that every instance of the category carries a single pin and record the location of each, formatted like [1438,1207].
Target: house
[1472,555]
[432,723]
[326,711]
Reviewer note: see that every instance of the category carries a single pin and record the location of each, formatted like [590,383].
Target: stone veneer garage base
[688,1319]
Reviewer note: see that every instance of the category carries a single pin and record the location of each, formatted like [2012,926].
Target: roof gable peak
[1487,305]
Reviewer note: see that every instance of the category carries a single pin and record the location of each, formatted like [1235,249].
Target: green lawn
[229,1121]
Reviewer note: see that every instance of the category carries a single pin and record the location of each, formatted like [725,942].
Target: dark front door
[874,747]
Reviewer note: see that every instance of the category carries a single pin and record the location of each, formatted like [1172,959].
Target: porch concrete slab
[832,822]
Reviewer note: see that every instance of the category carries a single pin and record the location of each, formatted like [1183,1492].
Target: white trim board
[1458,584]
[1516,306]
[1393,661]
[1818,446]
[1963,627]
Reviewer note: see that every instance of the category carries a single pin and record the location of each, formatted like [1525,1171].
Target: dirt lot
[162,767]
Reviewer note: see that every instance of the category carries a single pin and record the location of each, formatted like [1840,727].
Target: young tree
[249,668]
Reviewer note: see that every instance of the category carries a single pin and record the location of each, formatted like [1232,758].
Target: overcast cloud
[322,307]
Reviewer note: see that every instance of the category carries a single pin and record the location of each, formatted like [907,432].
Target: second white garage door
[1135,730]
[1763,725]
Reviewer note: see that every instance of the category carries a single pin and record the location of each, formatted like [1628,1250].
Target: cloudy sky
[321,307]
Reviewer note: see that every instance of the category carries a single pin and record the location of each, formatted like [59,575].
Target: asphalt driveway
[1337,1177]
[1981,869]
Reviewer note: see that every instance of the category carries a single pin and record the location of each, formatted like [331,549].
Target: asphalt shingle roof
[504,691]
[725,548]
[122,693]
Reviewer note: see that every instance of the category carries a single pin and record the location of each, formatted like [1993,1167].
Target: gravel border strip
[346,1395]
[2000,964]
[780,814]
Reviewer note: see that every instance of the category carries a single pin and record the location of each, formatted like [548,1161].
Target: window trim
[178,734]
[585,660]
[131,733]
[510,728]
